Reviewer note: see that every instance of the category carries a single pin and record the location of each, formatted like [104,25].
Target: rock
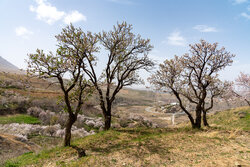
[90,123]
[81,118]
[237,164]
[115,126]
[74,128]
[98,124]
[101,129]
[134,125]
[124,122]
[92,132]
[80,132]
[242,114]
[60,133]
[155,125]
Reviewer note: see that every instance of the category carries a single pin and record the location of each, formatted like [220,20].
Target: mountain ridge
[6,66]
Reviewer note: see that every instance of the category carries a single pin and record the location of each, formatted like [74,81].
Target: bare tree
[127,54]
[73,47]
[194,77]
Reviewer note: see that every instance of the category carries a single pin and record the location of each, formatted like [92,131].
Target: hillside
[43,94]
[12,146]
[225,144]
[6,66]
[141,135]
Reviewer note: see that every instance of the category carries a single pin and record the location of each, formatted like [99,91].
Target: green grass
[28,158]
[231,120]
[19,118]
[104,142]
[154,147]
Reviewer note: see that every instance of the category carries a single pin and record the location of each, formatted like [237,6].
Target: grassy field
[19,118]
[230,120]
[225,143]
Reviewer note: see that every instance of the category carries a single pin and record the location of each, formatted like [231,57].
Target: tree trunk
[191,120]
[69,124]
[197,123]
[107,120]
[107,116]
[205,123]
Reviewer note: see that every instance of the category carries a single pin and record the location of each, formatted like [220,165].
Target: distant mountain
[6,66]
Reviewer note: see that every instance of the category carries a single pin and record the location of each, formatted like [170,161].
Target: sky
[170,24]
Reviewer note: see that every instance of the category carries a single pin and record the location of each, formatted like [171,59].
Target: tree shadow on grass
[142,142]
[145,131]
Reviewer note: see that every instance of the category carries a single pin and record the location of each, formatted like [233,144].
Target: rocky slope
[6,66]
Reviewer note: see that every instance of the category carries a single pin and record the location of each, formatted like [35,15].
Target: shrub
[47,104]
[50,130]
[124,122]
[51,118]
[54,120]
[35,111]
[45,117]
[62,119]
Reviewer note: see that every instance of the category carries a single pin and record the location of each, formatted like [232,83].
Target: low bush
[48,104]
[35,111]
[11,102]
[25,131]
[51,118]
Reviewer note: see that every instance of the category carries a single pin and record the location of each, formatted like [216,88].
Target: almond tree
[194,77]
[73,47]
[243,83]
[127,53]
[240,89]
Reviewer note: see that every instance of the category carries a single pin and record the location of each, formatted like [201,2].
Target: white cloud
[248,8]
[50,14]
[176,39]
[23,32]
[46,12]
[205,28]
[240,1]
[247,16]
[73,17]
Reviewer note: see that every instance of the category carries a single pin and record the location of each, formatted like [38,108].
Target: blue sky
[170,24]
